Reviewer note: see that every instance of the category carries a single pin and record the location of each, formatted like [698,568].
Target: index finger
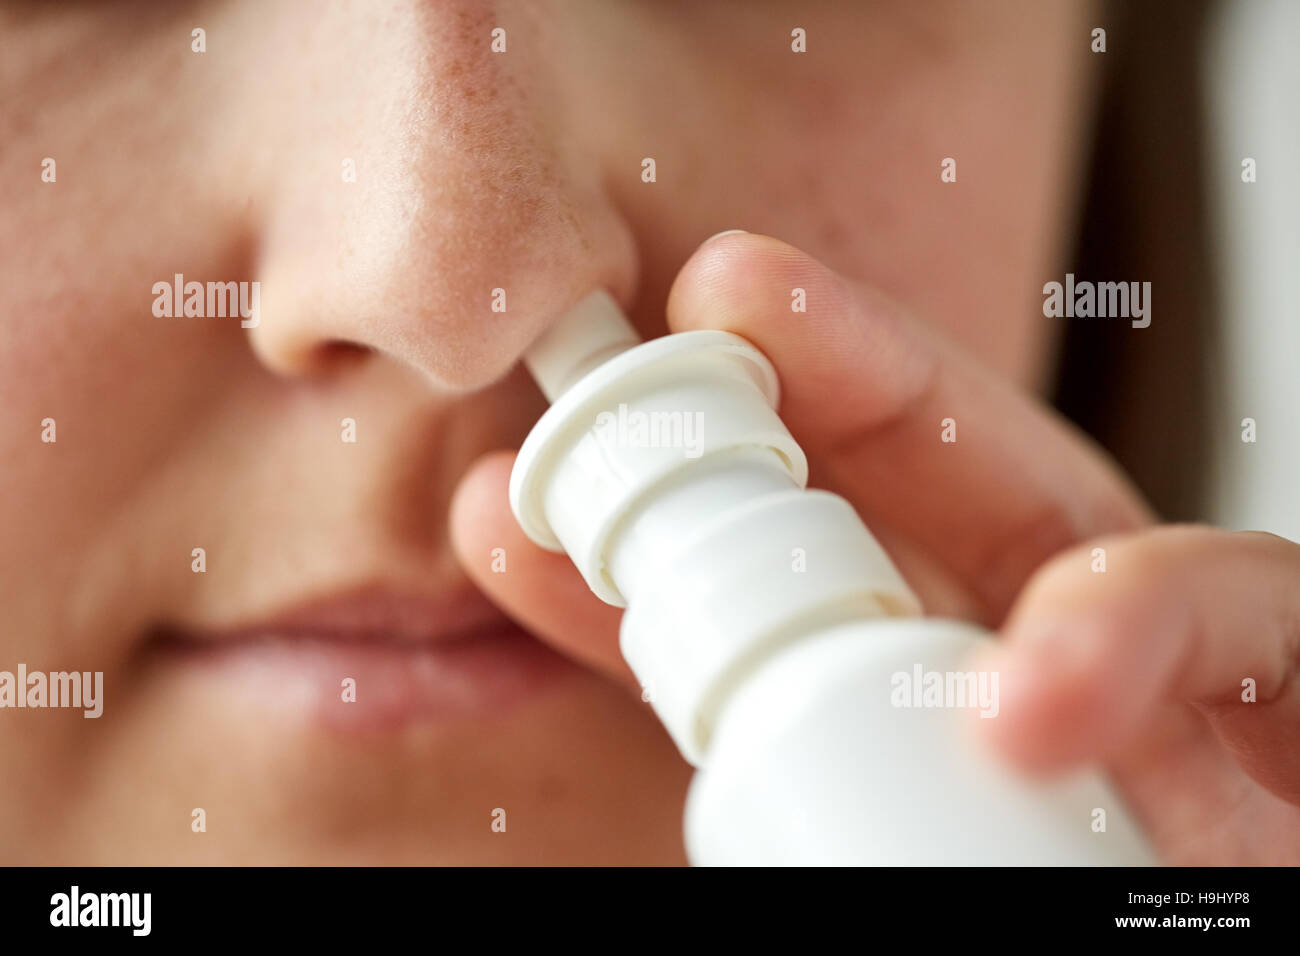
[917,435]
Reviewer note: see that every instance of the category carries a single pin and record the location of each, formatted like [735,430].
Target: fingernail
[719,235]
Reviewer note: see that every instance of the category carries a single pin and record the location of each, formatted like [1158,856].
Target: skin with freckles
[521,171]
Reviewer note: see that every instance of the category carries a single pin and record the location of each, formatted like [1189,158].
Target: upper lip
[370,613]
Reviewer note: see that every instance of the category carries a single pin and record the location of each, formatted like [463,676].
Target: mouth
[371,659]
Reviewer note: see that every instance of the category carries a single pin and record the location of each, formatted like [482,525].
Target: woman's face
[379,170]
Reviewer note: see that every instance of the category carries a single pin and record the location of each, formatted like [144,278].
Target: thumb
[540,590]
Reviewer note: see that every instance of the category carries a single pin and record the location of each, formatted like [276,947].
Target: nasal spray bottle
[767,624]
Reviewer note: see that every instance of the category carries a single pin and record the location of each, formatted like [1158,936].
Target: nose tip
[460,308]
[475,218]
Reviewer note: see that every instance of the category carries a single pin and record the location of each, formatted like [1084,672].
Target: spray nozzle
[589,334]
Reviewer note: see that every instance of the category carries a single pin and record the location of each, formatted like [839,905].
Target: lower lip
[374,685]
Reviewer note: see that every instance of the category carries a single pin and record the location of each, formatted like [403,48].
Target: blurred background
[1167,203]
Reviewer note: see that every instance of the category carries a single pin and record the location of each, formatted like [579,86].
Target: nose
[435,201]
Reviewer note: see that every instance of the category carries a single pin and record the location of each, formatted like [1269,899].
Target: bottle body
[829,755]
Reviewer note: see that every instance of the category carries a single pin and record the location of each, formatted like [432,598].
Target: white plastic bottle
[768,626]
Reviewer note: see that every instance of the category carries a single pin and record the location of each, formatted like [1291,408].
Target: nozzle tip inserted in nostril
[592,332]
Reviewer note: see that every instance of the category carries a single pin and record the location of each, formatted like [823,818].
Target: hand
[866,390]
[1176,669]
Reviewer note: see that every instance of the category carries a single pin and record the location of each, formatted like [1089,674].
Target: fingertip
[1076,687]
[737,279]
[824,333]
[478,509]
[1025,729]
[539,589]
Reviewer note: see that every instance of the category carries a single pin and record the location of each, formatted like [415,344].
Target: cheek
[840,151]
[948,186]
[134,199]
[83,347]
[127,208]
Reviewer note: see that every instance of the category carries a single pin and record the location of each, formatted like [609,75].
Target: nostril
[336,350]
[333,356]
